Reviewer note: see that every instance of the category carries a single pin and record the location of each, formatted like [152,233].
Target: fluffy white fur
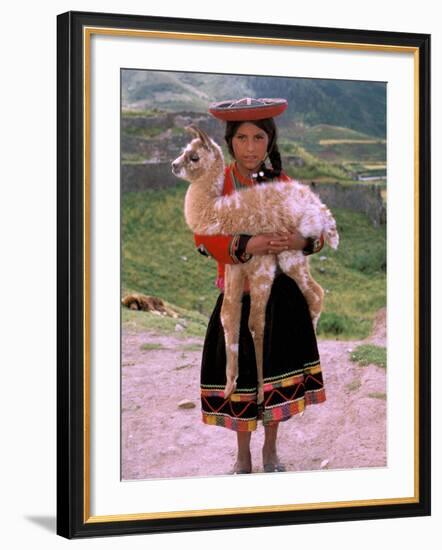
[271,207]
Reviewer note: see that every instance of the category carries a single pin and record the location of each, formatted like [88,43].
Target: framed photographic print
[166,129]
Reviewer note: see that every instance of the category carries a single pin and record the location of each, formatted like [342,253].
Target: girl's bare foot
[243,464]
[270,458]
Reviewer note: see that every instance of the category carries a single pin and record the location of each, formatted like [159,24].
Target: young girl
[292,371]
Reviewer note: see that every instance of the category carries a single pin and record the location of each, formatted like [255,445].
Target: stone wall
[143,176]
[160,149]
[169,136]
[365,198]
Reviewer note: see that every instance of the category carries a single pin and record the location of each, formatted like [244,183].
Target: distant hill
[357,105]
[173,91]
[360,106]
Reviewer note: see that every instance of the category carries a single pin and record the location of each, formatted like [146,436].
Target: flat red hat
[248,108]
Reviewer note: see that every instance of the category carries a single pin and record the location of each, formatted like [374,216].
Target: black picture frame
[73,516]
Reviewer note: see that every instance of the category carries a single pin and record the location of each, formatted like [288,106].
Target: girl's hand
[275,243]
[296,241]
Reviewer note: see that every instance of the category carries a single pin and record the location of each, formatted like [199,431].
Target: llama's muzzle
[176,169]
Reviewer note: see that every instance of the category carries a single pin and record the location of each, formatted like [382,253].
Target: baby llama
[272,207]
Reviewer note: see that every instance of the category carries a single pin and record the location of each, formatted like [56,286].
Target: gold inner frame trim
[416,274]
[246,39]
[87,34]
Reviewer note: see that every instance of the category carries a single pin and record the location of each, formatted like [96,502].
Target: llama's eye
[194,157]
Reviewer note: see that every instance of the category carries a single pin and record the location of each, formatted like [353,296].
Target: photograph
[243,274]
[307,245]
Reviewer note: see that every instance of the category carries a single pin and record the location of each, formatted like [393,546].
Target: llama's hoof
[229,389]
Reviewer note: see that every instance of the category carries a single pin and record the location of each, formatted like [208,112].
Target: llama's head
[201,161]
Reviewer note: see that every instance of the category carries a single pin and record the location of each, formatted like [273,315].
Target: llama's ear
[192,129]
[197,132]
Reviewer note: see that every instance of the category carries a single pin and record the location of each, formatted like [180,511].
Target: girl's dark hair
[269,127]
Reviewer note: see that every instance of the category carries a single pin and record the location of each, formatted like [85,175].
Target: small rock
[178,328]
[184,258]
[350,350]
[322,258]
[324,464]
[321,270]
[186,404]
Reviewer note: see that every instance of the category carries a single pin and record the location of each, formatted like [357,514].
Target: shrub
[333,323]
[370,260]
[368,354]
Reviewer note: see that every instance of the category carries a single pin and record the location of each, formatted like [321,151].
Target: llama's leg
[314,295]
[295,265]
[261,276]
[230,319]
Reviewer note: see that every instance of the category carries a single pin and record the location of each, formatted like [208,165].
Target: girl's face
[249,146]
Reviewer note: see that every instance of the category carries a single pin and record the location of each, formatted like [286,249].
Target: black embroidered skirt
[292,370]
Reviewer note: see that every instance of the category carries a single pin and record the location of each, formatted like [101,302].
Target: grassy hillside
[159,258]
[337,145]
[325,153]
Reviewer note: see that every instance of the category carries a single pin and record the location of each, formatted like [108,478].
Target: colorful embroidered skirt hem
[292,370]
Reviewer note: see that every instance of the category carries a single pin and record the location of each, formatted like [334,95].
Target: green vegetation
[353,386]
[313,167]
[334,323]
[175,91]
[178,131]
[314,134]
[159,255]
[150,347]
[157,346]
[321,102]
[353,277]
[337,131]
[324,153]
[378,395]
[159,258]
[133,158]
[357,105]
[342,152]
[192,347]
[341,146]
[141,113]
[368,354]
[189,323]
[143,133]
[332,153]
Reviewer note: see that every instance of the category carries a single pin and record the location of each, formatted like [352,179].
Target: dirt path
[161,439]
